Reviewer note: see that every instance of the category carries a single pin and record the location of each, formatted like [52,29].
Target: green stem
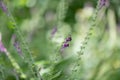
[16,66]
[28,56]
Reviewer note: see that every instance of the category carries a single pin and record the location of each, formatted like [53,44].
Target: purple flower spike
[2,48]
[53,31]
[103,3]
[66,43]
[2,6]
[16,44]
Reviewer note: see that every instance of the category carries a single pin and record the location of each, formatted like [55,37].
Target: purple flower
[103,3]
[2,6]
[2,48]
[16,44]
[66,43]
[54,30]
[68,39]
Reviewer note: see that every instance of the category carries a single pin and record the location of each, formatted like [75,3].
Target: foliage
[59,40]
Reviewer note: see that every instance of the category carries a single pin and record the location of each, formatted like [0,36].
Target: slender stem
[28,56]
[15,65]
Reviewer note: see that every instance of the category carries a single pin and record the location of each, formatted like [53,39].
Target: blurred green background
[37,18]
